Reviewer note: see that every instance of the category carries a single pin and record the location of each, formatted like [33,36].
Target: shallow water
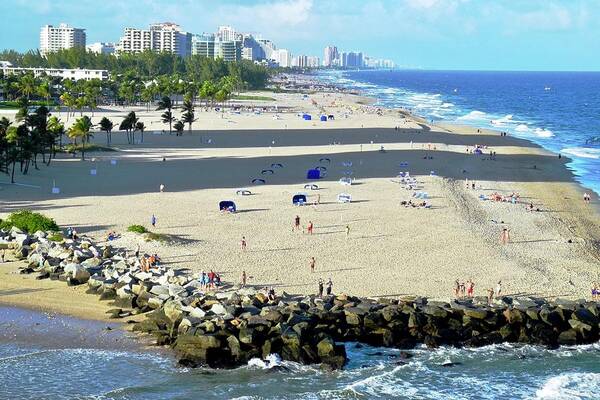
[35,368]
[557,110]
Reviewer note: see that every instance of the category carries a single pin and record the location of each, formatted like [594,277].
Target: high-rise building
[204,45]
[163,37]
[282,57]
[63,36]
[228,50]
[101,48]
[267,47]
[226,34]
[330,55]
[351,60]
[252,49]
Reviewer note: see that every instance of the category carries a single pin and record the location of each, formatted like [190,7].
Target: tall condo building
[63,36]
[162,37]
[330,56]
[226,34]
[204,45]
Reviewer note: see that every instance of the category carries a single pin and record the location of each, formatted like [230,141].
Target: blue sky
[435,34]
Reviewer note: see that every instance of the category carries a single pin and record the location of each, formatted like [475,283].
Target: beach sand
[390,251]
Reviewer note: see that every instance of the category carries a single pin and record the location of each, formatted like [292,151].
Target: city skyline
[433,34]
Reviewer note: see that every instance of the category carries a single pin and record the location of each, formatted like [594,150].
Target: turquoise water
[509,372]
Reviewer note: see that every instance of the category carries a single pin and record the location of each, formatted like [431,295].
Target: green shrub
[56,237]
[29,222]
[137,229]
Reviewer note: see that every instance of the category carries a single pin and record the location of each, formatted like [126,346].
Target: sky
[557,35]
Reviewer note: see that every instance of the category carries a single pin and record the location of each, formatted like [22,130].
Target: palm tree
[44,91]
[27,85]
[188,113]
[179,127]
[167,117]
[128,125]
[139,126]
[81,129]
[106,125]
[56,128]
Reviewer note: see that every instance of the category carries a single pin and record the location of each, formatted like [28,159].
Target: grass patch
[159,237]
[137,229]
[29,222]
[56,237]
[71,148]
[148,236]
[254,98]
[14,105]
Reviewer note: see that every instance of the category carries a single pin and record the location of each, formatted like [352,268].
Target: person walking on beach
[347,230]
[490,296]
[153,221]
[470,288]
[244,278]
[297,223]
[498,290]
[312,264]
[243,243]
[586,198]
[456,289]
[462,289]
[320,287]
[329,287]
[310,227]
[505,236]
[161,188]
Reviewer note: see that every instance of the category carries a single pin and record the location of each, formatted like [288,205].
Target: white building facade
[101,48]
[161,37]
[61,37]
[64,73]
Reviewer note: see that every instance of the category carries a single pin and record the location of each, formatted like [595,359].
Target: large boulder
[77,272]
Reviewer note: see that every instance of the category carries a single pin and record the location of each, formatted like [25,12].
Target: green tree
[165,103]
[139,126]
[179,127]
[106,125]
[128,125]
[81,129]
[188,116]
[27,85]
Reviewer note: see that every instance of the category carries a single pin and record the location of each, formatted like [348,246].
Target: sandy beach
[390,250]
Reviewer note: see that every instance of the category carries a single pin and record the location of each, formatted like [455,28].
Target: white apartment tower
[63,36]
[330,55]
[226,34]
[163,37]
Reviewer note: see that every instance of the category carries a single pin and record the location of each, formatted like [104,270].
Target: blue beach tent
[227,205]
[306,117]
[313,174]
[323,118]
[299,199]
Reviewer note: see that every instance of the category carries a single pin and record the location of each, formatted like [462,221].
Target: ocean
[52,357]
[560,111]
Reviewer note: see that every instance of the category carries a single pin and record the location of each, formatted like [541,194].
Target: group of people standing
[467,290]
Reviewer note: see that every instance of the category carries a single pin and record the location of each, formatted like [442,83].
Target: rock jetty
[226,328]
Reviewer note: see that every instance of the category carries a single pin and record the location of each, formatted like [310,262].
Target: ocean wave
[543,133]
[583,152]
[570,386]
[522,128]
[474,115]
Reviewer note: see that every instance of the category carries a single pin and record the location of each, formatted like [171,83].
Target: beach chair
[311,186]
[243,192]
[344,198]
